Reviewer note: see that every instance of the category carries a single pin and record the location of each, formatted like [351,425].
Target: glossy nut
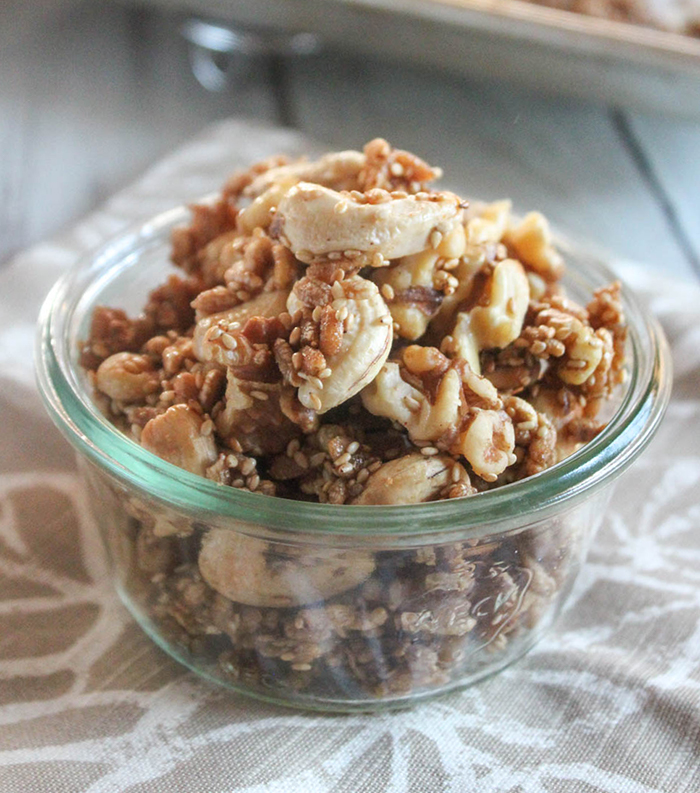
[255,572]
[127,377]
[315,221]
[411,479]
[176,436]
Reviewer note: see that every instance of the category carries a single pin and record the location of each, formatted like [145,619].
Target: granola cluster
[344,334]
[339,321]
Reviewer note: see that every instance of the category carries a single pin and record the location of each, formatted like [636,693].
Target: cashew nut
[463,414]
[260,573]
[127,377]
[317,222]
[176,436]
[489,225]
[488,443]
[531,241]
[412,282]
[364,348]
[408,480]
[498,319]
[338,170]
[208,341]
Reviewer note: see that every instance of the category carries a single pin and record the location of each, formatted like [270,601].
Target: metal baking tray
[545,48]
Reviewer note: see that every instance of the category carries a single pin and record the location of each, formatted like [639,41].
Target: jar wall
[337,625]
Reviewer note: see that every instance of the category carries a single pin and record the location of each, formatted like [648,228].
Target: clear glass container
[323,606]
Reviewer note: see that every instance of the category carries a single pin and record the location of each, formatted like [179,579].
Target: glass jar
[324,606]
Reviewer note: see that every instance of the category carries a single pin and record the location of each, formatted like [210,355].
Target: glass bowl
[323,606]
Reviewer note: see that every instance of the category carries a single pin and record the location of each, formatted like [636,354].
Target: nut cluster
[347,334]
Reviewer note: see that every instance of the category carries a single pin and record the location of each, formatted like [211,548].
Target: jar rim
[516,504]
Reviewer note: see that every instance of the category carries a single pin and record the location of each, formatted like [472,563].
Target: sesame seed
[248,466]
[346,468]
[301,459]
[341,207]
[375,466]
[315,401]
[429,451]
[214,333]
[253,482]
[378,260]
[316,314]
[337,290]
[297,360]
[317,459]
[386,320]
[207,428]
[325,373]
[294,336]
[456,474]
[435,238]
[238,483]
[342,458]
[353,447]
[292,447]
[342,314]
[315,382]
[167,396]
[362,476]
[261,395]
[388,291]
[228,341]
[411,403]
[334,256]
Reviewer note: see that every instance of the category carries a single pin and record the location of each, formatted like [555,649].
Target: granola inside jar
[353,453]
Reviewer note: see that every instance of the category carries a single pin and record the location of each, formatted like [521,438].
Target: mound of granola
[345,333]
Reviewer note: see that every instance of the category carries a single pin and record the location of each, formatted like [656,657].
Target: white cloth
[609,701]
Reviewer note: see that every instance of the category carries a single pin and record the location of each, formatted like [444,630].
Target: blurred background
[595,123]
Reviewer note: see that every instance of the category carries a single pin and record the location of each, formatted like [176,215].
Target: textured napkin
[609,701]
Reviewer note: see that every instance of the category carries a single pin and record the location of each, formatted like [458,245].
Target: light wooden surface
[91,94]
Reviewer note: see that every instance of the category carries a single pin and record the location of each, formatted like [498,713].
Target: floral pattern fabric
[608,701]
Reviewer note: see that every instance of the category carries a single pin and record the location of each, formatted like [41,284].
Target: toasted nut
[365,345]
[127,377]
[488,443]
[407,277]
[207,342]
[259,573]
[453,243]
[338,170]
[259,213]
[310,222]
[408,480]
[582,357]
[498,319]
[531,242]
[391,396]
[175,436]
[463,342]
[489,225]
